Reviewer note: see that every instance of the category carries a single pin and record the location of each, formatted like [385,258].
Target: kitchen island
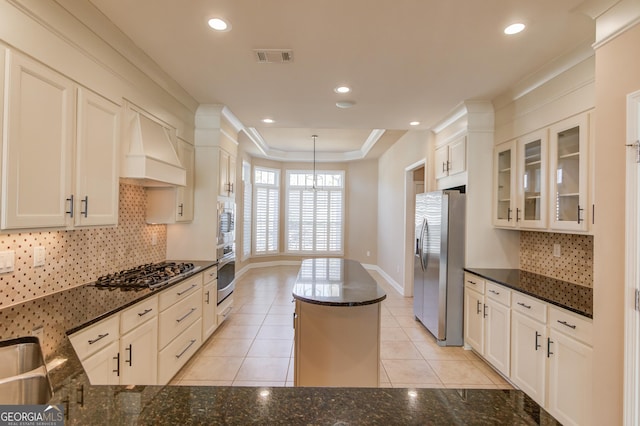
[337,324]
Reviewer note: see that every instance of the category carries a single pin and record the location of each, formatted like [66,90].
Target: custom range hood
[149,158]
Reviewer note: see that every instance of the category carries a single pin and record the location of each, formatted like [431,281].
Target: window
[247,195]
[315,217]
[266,198]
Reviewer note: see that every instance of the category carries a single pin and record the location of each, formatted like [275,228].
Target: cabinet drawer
[474,282]
[529,306]
[210,274]
[571,324]
[498,293]
[225,309]
[179,292]
[95,337]
[179,317]
[178,352]
[138,314]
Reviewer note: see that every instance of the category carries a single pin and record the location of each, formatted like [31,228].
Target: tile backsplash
[80,256]
[575,263]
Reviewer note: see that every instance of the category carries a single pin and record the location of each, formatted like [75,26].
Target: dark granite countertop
[336,282]
[573,297]
[85,404]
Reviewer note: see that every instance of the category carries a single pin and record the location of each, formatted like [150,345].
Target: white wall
[410,149]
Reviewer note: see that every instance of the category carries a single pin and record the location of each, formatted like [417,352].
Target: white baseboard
[386,276]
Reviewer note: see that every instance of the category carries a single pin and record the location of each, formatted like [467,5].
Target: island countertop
[336,282]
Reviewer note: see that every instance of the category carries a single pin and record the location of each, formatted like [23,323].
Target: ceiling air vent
[274,56]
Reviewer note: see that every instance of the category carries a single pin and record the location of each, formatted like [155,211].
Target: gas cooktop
[151,275]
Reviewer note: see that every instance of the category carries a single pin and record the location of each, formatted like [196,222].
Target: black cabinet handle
[85,200]
[494,292]
[524,306]
[517,215]
[130,360]
[181,207]
[509,215]
[117,370]
[478,307]
[186,315]
[537,344]
[567,324]
[186,349]
[70,211]
[580,220]
[485,311]
[180,293]
[549,342]
[100,337]
[145,312]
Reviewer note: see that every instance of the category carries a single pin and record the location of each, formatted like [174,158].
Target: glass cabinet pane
[567,175]
[504,185]
[532,180]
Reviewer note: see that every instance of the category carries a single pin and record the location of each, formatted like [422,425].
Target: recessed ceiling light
[345,104]
[219,24]
[414,123]
[268,120]
[514,28]
[342,89]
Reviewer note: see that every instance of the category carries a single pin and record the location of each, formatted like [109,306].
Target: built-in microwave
[226,222]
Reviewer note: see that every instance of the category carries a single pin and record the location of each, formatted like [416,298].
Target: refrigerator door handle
[424,256]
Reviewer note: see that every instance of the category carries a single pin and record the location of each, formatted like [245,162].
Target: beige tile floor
[254,346]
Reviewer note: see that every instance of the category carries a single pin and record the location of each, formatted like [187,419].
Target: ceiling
[405,60]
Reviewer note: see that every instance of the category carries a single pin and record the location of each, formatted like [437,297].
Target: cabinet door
[568,163]
[184,195]
[474,320]
[457,156]
[36,172]
[441,159]
[102,368]
[528,356]
[209,318]
[504,185]
[570,384]
[224,173]
[97,147]
[497,348]
[139,355]
[531,211]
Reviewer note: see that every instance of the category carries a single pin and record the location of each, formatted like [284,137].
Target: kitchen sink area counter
[572,297]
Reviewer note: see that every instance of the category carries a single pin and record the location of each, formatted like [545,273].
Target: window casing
[314,216]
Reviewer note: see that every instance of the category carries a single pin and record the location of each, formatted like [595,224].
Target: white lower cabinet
[570,368]
[178,352]
[487,323]
[102,367]
[139,355]
[209,320]
[548,349]
[529,356]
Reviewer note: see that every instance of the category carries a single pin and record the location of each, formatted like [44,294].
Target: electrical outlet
[7,261]
[154,239]
[368,253]
[556,250]
[39,256]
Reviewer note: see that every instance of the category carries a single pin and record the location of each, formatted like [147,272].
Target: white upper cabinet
[532,171]
[60,170]
[227,170]
[96,192]
[450,159]
[541,179]
[568,146]
[504,185]
[38,146]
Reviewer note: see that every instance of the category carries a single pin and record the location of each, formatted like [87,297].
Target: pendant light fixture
[314,161]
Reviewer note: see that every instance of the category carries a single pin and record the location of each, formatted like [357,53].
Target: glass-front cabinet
[504,185]
[568,202]
[531,208]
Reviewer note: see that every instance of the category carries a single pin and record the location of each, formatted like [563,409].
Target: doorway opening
[415,183]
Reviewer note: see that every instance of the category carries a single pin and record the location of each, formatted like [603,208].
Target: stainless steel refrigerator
[438,298]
